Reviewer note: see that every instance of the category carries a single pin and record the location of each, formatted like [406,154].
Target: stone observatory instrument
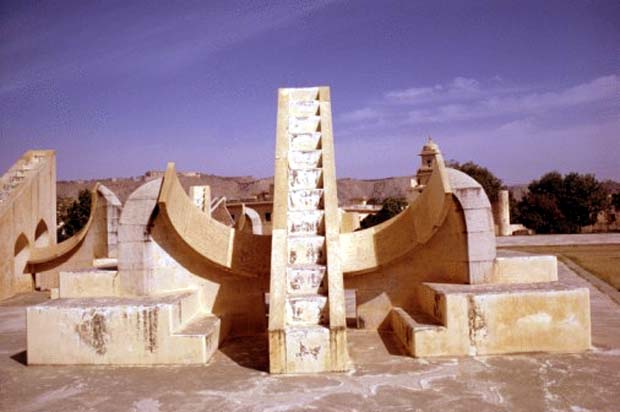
[160,280]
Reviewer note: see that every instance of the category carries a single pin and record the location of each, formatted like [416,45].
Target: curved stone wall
[239,252]
[369,249]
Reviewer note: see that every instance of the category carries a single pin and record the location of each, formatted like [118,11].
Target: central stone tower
[307,323]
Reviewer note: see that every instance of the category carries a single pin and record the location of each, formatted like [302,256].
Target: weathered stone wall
[27,217]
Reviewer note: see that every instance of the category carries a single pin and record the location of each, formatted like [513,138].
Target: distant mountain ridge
[239,187]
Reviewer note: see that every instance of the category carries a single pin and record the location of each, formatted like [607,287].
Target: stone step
[305,279]
[307,348]
[105,263]
[204,328]
[303,124]
[87,283]
[304,141]
[304,159]
[303,107]
[189,304]
[204,324]
[118,330]
[307,250]
[496,318]
[415,331]
[308,309]
[308,222]
[305,178]
[301,93]
[305,199]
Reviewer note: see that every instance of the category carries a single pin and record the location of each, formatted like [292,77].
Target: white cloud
[519,126]
[460,88]
[599,89]
[364,114]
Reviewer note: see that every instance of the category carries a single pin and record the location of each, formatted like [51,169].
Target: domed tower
[428,158]
[428,153]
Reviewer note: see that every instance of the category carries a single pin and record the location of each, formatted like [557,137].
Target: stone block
[525,269]
[472,198]
[479,220]
[89,283]
[481,245]
[120,331]
[306,309]
[307,349]
[494,319]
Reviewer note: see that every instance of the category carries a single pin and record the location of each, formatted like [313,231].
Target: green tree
[73,217]
[542,213]
[489,182]
[615,200]
[390,207]
[562,204]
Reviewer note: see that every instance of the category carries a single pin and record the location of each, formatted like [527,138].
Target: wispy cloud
[460,88]
[574,124]
[360,115]
[464,99]
[599,89]
[154,44]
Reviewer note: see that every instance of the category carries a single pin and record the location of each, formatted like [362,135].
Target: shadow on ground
[248,352]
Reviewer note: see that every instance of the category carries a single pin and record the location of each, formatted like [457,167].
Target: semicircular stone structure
[95,245]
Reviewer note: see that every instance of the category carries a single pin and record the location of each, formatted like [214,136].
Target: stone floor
[382,379]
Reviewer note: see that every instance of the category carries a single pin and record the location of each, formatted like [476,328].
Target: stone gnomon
[183,281]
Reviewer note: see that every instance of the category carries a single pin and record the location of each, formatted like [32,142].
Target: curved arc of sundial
[368,249]
[42,255]
[236,251]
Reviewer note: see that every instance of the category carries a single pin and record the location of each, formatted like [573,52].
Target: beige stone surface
[89,283]
[27,217]
[490,319]
[236,251]
[122,331]
[525,269]
[501,212]
[384,378]
[307,320]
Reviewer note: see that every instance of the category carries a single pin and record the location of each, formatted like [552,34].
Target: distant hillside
[238,187]
[241,186]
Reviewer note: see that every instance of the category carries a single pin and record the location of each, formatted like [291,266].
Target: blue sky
[120,87]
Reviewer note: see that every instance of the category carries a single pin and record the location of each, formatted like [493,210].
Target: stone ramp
[458,320]
[164,329]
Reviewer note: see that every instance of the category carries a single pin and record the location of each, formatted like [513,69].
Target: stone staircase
[16,175]
[164,329]
[460,320]
[307,327]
